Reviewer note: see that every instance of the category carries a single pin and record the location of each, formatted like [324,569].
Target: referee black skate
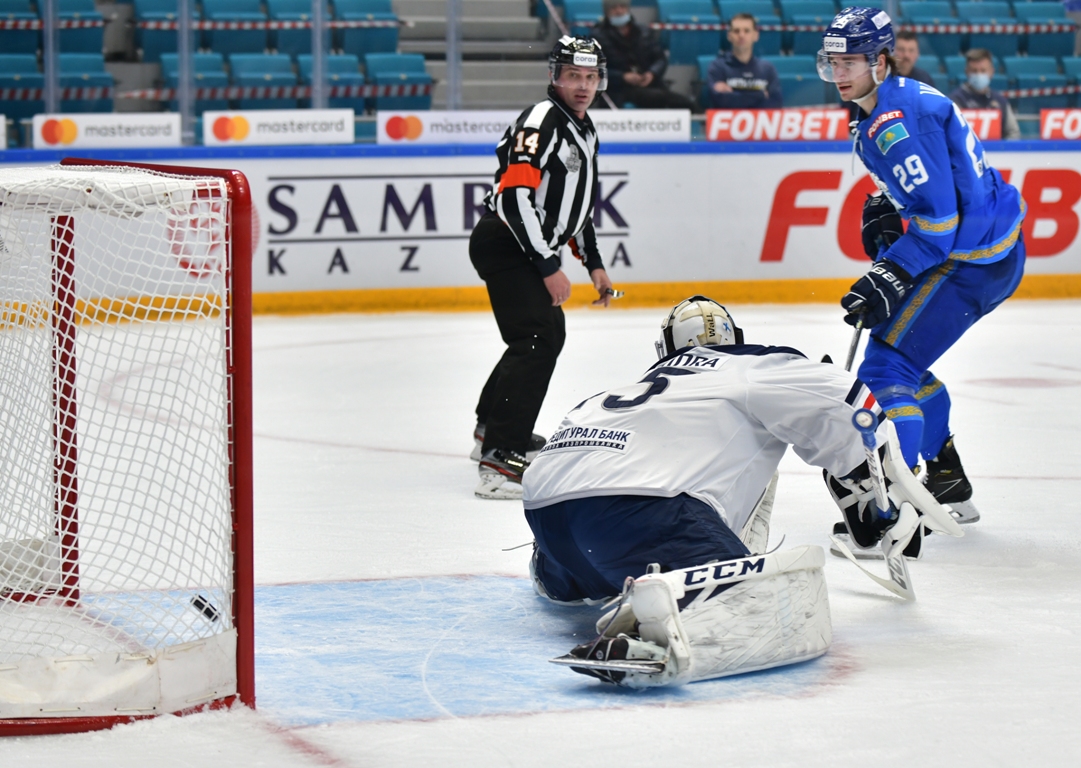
[543,200]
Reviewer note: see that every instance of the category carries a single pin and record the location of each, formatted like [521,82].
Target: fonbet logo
[231,128]
[59,131]
[409,128]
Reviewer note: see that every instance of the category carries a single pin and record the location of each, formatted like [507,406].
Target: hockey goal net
[125,444]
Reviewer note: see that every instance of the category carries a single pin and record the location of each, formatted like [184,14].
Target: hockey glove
[881,226]
[855,497]
[876,296]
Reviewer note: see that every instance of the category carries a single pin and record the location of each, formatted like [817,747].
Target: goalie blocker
[710,621]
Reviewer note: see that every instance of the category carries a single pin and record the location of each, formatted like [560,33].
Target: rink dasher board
[361,217]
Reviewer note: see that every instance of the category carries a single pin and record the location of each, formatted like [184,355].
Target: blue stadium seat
[769,43]
[1033,104]
[84,70]
[809,43]
[941,44]
[85,40]
[813,12]
[366,40]
[802,90]
[155,42]
[990,12]
[20,70]
[685,46]
[293,41]
[230,41]
[1045,43]
[1072,67]
[209,73]
[793,65]
[18,40]
[395,69]
[1030,65]
[341,69]
[581,15]
[262,69]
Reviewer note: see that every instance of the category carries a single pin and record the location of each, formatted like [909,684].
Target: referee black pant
[533,330]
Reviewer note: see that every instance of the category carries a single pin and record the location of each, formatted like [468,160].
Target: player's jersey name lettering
[692,361]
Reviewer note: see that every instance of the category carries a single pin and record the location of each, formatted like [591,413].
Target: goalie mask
[696,322]
[578,52]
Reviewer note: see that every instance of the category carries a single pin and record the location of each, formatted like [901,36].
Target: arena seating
[234,40]
[686,46]
[78,40]
[397,69]
[18,40]
[262,69]
[154,42]
[366,40]
[209,73]
[84,70]
[341,69]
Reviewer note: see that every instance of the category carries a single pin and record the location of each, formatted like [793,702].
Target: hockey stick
[855,344]
[899,582]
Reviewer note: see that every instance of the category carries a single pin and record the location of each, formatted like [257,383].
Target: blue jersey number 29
[911,173]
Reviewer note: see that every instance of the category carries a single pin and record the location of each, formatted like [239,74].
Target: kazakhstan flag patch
[891,136]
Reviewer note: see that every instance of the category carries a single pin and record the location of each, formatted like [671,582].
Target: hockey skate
[500,475]
[536,442]
[840,531]
[947,482]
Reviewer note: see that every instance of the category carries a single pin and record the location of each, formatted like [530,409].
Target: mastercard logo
[231,128]
[59,131]
[408,128]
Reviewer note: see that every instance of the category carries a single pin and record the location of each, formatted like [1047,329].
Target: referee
[543,200]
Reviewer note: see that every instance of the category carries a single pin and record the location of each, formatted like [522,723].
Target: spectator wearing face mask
[636,61]
[976,93]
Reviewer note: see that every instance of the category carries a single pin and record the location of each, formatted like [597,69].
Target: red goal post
[126,582]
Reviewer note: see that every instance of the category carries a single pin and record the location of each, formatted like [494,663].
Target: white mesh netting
[115,506]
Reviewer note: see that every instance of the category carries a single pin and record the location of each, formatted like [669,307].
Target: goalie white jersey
[712,422]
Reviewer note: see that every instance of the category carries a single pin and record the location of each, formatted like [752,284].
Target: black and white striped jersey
[546,184]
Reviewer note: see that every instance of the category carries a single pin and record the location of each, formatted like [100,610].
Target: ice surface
[393,630]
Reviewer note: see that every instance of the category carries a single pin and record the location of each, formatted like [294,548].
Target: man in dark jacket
[738,79]
[976,92]
[636,62]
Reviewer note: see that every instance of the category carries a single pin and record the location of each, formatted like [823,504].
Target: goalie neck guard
[578,52]
[695,322]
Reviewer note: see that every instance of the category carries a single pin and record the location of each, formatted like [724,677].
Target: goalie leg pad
[735,616]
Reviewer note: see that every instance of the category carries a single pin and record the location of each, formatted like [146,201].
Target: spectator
[976,92]
[906,52]
[636,61]
[739,80]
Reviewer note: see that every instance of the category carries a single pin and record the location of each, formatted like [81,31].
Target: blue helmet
[859,30]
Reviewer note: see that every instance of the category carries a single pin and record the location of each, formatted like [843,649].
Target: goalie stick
[895,539]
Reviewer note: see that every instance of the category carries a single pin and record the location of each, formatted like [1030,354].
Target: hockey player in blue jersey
[962,255]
